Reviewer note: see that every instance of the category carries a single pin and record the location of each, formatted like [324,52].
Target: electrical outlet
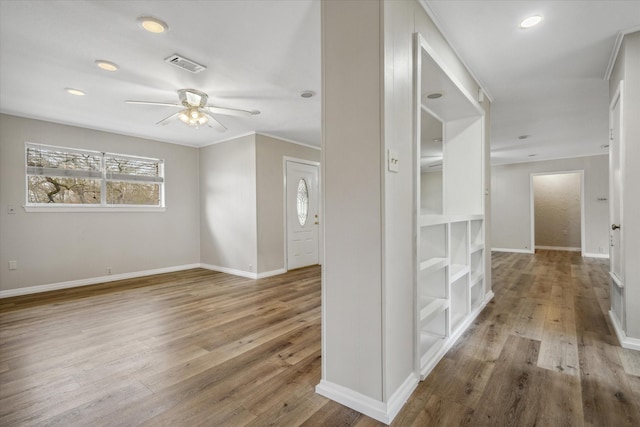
[13,265]
[250,267]
[109,271]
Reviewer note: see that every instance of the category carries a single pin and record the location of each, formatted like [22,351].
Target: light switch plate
[393,160]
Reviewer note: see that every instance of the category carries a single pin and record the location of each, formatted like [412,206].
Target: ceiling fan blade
[214,123]
[231,111]
[165,121]
[163,104]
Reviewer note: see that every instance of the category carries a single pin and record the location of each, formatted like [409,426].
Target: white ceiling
[260,55]
[546,82]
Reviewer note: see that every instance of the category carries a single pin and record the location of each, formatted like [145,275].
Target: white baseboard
[594,255]
[559,248]
[242,273]
[113,277]
[92,281]
[517,251]
[271,273]
[379,411]
[625,341]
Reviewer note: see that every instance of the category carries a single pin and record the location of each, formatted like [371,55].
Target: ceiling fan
[196,112]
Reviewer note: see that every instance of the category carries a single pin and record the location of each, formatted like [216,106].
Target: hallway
[542,353]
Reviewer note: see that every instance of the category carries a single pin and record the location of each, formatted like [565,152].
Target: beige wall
[65,246]
[557,210]
[270,197]
[242,202]
[511,207]
[228,226]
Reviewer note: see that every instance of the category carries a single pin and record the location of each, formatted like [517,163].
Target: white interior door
[302,214]
[615,180]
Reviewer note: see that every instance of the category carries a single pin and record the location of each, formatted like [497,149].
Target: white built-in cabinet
[450,286]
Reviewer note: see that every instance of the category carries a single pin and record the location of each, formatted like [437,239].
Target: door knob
[614,227]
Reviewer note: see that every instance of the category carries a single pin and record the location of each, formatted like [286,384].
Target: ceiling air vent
[185,64]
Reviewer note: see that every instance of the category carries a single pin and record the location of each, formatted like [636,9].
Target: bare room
[319,212]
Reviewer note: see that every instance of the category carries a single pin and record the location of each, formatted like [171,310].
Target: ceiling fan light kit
[196,112]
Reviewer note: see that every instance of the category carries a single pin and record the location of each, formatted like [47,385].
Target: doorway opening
[557,211]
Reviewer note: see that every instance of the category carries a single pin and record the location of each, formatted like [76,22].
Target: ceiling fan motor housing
[192,98]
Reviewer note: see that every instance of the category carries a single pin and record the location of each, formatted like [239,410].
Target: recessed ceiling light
[530,21]
[435,95]
[307,94]
[106,65]
[524,136]
[604,146]
[73,91]
[437,139]
[532,155]
[153,25]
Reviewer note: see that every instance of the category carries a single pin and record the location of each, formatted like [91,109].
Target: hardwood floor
[205,348]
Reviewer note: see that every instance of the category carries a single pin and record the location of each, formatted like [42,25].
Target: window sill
[94,209]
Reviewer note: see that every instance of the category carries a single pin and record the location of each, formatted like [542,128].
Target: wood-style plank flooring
[204,348]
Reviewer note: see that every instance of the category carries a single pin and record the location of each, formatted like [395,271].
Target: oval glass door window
[302,202]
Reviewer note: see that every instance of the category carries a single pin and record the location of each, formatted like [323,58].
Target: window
[302,202]
[59,176]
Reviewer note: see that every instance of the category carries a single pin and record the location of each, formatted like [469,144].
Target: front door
[302,214]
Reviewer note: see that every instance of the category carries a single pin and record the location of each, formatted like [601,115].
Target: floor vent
[185,64]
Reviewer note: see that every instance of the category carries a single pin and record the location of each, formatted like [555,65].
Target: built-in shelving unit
[450,280]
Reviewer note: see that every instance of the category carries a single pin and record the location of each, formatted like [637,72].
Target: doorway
[301,213]
[557,211]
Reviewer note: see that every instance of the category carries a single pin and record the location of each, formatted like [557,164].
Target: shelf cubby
[459,301]
[476,234]
[433,284]
[477,293]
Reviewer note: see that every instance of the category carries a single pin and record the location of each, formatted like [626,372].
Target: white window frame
[103,176]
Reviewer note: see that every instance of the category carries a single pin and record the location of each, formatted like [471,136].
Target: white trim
[233,271]
[92,281]
[380,411]
[271,273]
[313,147]
[231,138]
[517,251]
[434,18]
[616,49]
[113,277]
[401,395]
[625,341]
[594,255]
[93,128]
[558,248]
[354,400]
[242,273]
[550,159]
[81,208]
